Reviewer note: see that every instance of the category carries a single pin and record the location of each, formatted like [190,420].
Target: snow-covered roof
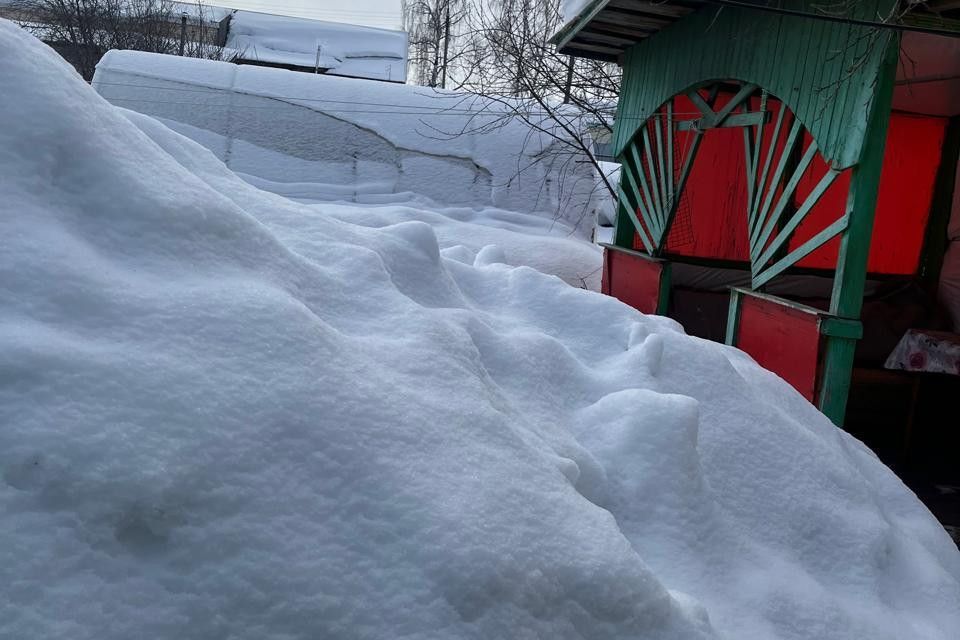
[200,11]
[342,49]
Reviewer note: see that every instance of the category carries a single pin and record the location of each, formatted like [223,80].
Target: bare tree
[435,28]
[83,30]
[509,62]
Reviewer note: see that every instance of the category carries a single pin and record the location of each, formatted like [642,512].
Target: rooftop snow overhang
[605,29]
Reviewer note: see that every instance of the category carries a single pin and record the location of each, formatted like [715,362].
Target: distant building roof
[199,11]
[302,44]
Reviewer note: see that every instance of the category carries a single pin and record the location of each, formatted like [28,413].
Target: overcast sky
[374,13]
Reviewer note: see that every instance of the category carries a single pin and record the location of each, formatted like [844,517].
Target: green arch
[825,72]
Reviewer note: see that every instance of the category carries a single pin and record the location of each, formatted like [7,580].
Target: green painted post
[666,284]
[623,229]
[851,275]
[733,318]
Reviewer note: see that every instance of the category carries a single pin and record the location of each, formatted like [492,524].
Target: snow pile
[226,414]
[320,137]
[343,49]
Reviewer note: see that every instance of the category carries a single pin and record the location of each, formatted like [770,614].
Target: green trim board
[733,317]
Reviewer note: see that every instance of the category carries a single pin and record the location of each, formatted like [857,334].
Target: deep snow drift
[225,414]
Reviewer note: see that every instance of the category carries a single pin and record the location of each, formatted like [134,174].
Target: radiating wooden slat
[655,222]
[751,170]
[758,140]
[745,92]
[631,213]
[733,120]
[700,103]
[762,181]
[785,198]
[784,234]
[681,183]
[633,175]
[670,153]
[801,252]
[661,161]
[658,205]
[775,180]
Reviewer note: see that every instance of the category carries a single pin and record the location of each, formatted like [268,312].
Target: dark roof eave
[605,29]
[568,31]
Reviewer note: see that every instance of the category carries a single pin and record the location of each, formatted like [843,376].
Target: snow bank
[226,414]
[343,49]
[286,127]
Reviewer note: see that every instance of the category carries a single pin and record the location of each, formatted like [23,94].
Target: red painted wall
[910,164]
[711,218]
[783,340]
[711,221]
[631,279]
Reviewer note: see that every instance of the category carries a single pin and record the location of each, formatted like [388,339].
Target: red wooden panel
[632,279]
[782,339]
[828,209]
[711,220]
[910,164]
[911,159]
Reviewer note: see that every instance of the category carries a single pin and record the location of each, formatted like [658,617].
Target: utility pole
[446,48]
[569,83]
[183,33]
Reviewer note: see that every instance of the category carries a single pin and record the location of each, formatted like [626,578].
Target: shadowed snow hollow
[227,415]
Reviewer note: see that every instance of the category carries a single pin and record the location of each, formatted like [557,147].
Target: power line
[211,90]
[894,26]
[382,107]
[417,112]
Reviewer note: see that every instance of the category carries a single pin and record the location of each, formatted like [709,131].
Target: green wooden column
[851,275]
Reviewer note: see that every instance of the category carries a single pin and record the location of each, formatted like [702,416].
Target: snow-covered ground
[226,414]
